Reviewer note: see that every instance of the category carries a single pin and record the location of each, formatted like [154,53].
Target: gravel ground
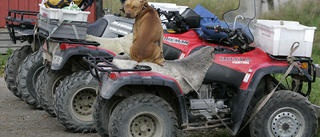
[18,119]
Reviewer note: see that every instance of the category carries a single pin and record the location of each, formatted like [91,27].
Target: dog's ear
[144,3]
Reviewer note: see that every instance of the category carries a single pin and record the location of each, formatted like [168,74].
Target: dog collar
[144,7]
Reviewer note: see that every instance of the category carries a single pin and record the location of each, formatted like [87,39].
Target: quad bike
[18,21]
[64,70]
[239,90]
[64,88]
[25,64]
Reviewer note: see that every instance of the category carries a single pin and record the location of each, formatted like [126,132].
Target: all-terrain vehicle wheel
[27,76]
[12,67]
[47,83]
[143,115]
[102,110]
[287,113]
[265,86]
[73,101]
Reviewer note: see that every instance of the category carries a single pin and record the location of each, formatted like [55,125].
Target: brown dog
[147,30]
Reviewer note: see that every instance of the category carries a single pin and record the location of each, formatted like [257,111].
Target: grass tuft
[3,60]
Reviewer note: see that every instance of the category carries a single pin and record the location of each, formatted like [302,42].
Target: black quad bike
[21,22]
[25,64]
[239,89]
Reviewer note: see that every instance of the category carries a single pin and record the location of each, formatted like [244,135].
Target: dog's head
[133,8]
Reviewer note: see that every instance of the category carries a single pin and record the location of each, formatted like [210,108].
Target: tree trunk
[270,5]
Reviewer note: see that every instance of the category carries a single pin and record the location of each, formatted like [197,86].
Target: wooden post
[99,9]
[270,5]
[318,71]
[317,108]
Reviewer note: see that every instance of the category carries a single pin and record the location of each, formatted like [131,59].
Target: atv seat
[97,28]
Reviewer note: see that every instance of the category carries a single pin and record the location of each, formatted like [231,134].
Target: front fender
[240,102]
[60,57]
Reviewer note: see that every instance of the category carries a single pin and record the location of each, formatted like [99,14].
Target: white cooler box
[276,37]
[60,14]
[59,23]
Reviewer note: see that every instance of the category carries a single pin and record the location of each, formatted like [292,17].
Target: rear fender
[240,102]
[60,57]
[110,87]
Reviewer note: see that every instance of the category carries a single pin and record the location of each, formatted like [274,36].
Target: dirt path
[18,119]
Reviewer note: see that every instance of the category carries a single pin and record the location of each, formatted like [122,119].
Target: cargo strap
[75,31]
[290,60]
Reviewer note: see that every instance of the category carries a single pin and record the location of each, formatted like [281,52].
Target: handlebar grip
[210,27]
[216,28]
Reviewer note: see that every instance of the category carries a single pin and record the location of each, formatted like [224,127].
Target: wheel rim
[286,122]
[82,102]
[145,124]
[36,75]
[56,84]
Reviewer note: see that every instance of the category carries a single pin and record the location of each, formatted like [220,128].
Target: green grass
[217,7]
[3,60]
[307,13]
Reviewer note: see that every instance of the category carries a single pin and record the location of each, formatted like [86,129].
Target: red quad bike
[239,90]
[66,76]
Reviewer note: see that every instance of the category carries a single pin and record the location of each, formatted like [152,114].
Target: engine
[199,106]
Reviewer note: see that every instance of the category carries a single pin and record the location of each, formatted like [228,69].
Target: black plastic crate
[54,28]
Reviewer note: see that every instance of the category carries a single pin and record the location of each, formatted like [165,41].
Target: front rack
[311,70]
[104,64]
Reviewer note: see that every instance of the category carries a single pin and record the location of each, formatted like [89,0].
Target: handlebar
[211,27]
[236,37]
[175,22]
[169,14]
[219,29]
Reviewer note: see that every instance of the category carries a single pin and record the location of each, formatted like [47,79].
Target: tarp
[209,19]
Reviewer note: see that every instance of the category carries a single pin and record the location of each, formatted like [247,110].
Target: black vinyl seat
[97,28]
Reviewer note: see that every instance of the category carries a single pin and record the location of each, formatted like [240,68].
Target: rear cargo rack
[104,64]
[72,41]
[16,20]
[64,40]
[22,13]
